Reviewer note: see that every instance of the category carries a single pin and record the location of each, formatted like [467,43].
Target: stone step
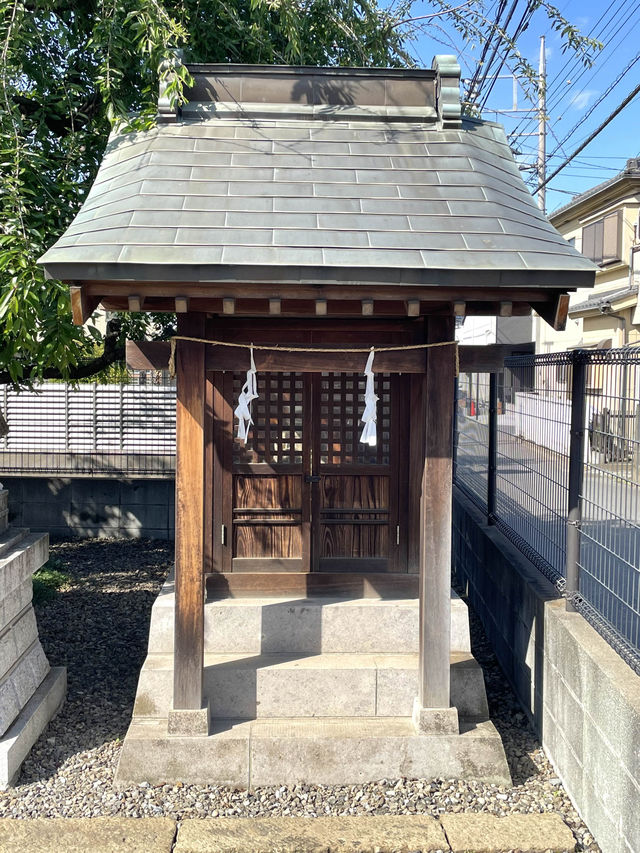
[21,560]
[324,685]
[10,537]
[321,751]
[308,626]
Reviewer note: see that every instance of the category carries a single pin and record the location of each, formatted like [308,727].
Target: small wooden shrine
[313,212]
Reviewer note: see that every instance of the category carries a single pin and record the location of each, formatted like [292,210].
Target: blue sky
[572,91]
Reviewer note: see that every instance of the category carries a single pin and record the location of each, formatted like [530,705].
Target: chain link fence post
[576,475]
[493,448]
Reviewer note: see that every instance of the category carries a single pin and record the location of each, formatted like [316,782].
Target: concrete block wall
[583,699]
[87,507]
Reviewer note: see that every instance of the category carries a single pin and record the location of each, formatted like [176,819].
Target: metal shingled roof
[233,196]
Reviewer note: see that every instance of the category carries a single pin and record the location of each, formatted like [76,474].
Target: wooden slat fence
[117,429]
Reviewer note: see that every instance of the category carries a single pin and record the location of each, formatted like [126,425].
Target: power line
[595,133]
[596,103]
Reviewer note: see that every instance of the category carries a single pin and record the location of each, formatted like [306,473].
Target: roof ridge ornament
[169,110]
[448,89]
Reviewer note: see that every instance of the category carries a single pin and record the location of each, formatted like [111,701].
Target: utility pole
[542,127]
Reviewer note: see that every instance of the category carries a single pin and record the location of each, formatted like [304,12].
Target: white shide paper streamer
[247,395]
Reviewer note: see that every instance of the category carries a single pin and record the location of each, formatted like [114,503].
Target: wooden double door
[305,494]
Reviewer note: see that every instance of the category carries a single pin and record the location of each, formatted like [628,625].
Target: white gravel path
[98,626]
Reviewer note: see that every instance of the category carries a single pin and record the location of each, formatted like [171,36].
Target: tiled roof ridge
[388,94]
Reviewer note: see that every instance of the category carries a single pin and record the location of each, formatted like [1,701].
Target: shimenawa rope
[278,348]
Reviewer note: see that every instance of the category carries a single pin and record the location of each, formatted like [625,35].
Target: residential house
[602,223]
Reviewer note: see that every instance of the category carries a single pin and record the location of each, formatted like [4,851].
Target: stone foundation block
[435,721]
[189,723]
[27,728]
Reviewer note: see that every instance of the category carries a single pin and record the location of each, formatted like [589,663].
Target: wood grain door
[271,502]
[356,498]
[304,493]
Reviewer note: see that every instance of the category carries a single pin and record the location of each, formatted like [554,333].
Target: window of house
[601,241]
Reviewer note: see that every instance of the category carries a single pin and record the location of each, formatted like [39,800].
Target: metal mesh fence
[610,496]
[535,453]
[533,458]
[472,435]
[99,429]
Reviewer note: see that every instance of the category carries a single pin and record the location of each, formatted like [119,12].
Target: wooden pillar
[432,713]
[188,715]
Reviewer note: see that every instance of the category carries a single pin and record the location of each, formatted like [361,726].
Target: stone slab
[327,685]
[151,754]
[15,601]
[87,835]
[352,751]
[20,683]
[22,561]
[31,722]
[331,751]
[15,640]
[308,626]
[10,537]
[364,834]
[483,833]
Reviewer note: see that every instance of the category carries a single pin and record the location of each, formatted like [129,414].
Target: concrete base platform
[323,751]
[30,723]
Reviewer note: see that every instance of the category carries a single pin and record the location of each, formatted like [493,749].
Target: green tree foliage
[70,69]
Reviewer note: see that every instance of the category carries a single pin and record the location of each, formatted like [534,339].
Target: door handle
[312,478]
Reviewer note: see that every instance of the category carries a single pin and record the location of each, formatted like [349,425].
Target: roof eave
[235,276]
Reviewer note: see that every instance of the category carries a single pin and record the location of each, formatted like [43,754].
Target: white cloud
[582,99]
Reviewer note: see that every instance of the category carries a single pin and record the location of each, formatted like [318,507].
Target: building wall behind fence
[583,699]
[87,507]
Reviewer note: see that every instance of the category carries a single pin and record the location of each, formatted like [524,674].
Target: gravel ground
[97,627]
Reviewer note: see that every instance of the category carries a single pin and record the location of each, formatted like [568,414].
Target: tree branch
[113,351]
[61,125]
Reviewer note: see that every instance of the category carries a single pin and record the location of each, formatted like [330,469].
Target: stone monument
[31,692]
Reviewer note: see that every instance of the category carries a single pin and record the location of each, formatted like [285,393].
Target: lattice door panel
[356,500]
[271,502]
[341,406]
[276,433]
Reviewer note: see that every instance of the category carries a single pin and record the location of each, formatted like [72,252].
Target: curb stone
[456,833]
[486,833]
[87,835]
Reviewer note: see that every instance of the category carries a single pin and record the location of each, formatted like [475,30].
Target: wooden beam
[460,309]
[135,303]
[82,305]
[506,309]
[228,305]
[321,307]
[154,355]
[275,306]
[413,307]
[436,515]
[554,312]
[367,307]
[378,292]
[182,304]
[190,457]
